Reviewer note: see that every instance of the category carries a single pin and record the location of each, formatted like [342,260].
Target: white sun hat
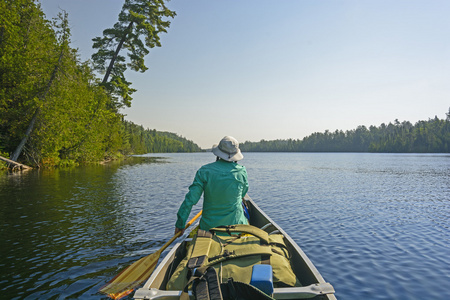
[228,149]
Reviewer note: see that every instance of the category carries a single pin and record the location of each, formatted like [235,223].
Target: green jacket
[224,184]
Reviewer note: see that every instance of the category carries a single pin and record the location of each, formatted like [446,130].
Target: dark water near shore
[377,226]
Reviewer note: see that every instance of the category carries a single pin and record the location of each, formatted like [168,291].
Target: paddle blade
[124,283]
[131,277]
[119,295]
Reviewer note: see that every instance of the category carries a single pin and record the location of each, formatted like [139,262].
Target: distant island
[432,136]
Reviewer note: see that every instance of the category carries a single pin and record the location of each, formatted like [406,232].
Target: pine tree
[140,23]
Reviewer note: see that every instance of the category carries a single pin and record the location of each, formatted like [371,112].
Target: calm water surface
[375,225]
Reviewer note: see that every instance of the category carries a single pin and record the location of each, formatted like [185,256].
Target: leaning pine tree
[41,95]
[140,23]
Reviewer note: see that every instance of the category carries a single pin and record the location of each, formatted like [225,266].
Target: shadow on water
[65,232]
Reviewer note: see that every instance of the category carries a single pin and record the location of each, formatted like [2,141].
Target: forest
[54,110]
[432,136]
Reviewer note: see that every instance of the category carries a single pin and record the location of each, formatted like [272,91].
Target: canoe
[313,284]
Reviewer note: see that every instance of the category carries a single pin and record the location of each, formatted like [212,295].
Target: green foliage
[49,96]
[3,165]
[432,136]
[42,76]
[72,119]
[141,141]
[137,30]
[27,55]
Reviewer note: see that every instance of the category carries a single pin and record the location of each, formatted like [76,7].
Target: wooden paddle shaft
[179,232]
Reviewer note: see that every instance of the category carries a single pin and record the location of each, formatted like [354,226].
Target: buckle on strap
[195,262]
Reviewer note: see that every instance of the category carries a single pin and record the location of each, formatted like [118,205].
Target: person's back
[224,184]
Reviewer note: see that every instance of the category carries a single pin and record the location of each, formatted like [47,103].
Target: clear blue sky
[258,69]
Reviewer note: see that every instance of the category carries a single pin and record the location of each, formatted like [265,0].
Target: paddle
[132,276]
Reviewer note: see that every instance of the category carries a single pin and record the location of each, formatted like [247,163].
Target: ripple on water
[375,226]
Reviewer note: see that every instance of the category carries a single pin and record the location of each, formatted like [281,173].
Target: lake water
[376,226]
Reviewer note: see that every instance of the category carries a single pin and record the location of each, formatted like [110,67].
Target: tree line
[431,136]
[151,141]
[54,111]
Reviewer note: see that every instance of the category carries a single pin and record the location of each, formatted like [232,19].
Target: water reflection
[374,225]
[63,231]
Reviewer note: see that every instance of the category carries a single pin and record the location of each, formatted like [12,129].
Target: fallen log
[14,165]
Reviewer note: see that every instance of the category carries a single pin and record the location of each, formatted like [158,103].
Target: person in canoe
[224,183]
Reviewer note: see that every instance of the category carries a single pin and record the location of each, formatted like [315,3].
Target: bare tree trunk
[113,59]
[22,143]
[14,165]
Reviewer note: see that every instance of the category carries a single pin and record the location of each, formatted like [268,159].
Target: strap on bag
[237,290]
[259,233]
[204,279]
[201,249]
[205,285]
